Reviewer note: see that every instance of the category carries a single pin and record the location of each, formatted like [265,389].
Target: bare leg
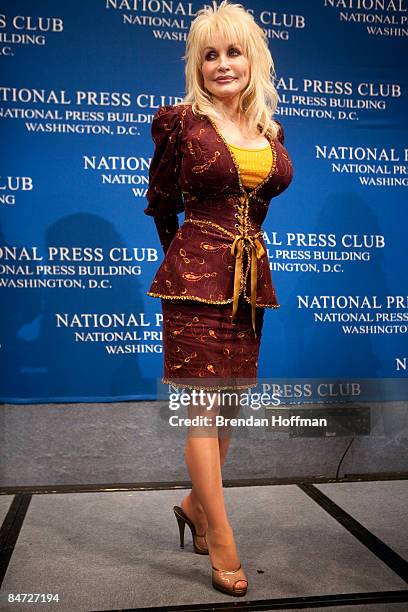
[191,503]
[202,454]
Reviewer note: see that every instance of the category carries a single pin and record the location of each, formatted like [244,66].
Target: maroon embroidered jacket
[220,241]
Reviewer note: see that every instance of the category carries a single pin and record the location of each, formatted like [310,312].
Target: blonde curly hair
[259,100]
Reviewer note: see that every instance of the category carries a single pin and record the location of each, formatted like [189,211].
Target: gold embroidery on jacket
[203,167]
[242,214]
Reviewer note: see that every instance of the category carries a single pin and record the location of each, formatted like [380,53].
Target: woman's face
[225,60]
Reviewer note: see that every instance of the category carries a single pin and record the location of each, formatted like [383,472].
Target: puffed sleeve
[281,134]
[164,193]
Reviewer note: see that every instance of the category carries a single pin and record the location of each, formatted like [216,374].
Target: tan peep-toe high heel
[182,519]
[225,581]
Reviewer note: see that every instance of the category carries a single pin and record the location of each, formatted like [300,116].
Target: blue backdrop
[80,84]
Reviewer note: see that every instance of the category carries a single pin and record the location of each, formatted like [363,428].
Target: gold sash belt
[256,253]
[237,247]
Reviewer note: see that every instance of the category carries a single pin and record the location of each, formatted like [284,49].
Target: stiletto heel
[182,519]
[181,525]
[225,581]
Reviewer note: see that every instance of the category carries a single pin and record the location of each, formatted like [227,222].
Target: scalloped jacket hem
[206,300]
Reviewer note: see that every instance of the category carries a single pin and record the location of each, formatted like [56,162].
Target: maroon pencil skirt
[204,349]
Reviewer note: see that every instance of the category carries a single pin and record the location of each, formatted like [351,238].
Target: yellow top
[254,164]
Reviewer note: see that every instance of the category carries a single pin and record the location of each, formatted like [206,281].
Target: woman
[219,157]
